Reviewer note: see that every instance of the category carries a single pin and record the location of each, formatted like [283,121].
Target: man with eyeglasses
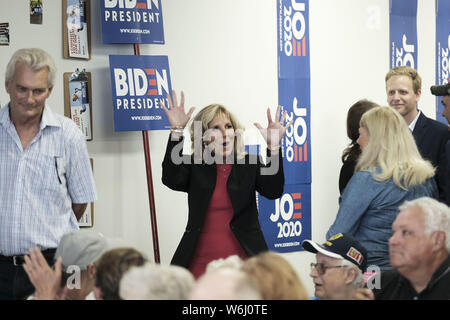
[339,267]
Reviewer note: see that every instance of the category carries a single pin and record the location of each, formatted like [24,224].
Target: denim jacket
[368,208]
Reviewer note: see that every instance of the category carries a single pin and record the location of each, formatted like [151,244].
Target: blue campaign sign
[140,85]
[403,33]
[132,21]
[293,39]
[442,51]
[294,97]
[286,221]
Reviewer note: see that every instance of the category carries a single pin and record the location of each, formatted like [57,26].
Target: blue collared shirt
[368,208]
[39,184]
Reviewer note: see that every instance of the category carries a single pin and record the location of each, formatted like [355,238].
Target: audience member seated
[156,282]
[111,267]
[389,171]
[74,275]
[276,278]
[233,261]
[419,252]
[225,284]
[340,264]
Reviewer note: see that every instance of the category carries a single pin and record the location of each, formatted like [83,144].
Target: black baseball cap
[340,246]
[442,90]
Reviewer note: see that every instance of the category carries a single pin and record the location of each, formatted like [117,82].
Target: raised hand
[46,281]
[275,130]
[178,118]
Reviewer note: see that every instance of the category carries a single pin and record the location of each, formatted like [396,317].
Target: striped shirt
[39,184]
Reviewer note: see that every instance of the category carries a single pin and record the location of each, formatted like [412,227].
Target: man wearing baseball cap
[444,92]
[340,264]
[75,267]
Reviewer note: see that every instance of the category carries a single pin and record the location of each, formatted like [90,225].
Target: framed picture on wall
[77,29]
[36,11]
[77,100]
[4,34]
[87,220]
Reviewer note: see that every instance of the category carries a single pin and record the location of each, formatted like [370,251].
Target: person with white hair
[233,261]
[225,284]
[419,252]
[156,282]
[46,179]
[338,273]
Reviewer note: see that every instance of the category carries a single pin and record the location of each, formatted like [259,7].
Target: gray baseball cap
[81,248]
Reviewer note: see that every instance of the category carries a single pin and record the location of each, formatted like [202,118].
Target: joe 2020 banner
[403,33]
[140,85]
[286,222]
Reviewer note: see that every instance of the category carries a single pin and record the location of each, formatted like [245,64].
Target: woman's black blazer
[199,181]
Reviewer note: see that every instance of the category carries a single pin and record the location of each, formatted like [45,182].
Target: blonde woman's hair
[206,115]
[276,278]
[392,152]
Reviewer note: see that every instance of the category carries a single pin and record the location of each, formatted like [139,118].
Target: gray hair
[234,262]
[156,282]
[358,282]
[436,216]
[225,284]
[36,59]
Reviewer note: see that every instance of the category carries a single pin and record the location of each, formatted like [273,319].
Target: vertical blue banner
[293,39]
[132,21]
[403,33]
[140,85]
[442,51]
[286,222]
[294,97]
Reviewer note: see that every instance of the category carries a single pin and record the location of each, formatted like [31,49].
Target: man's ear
[418,94]
[439,239]
[49,91]
[351,275]
[7,83]
[91,271]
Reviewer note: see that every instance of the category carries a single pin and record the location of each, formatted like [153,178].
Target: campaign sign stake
[140,85]
[132,21]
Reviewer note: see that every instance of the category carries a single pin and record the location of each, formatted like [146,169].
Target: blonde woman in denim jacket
[389,172]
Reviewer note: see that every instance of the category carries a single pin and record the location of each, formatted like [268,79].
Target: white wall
[225,51]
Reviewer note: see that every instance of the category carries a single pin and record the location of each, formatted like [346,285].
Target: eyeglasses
[321,268]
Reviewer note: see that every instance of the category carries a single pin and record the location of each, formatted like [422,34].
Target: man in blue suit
[403,88]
